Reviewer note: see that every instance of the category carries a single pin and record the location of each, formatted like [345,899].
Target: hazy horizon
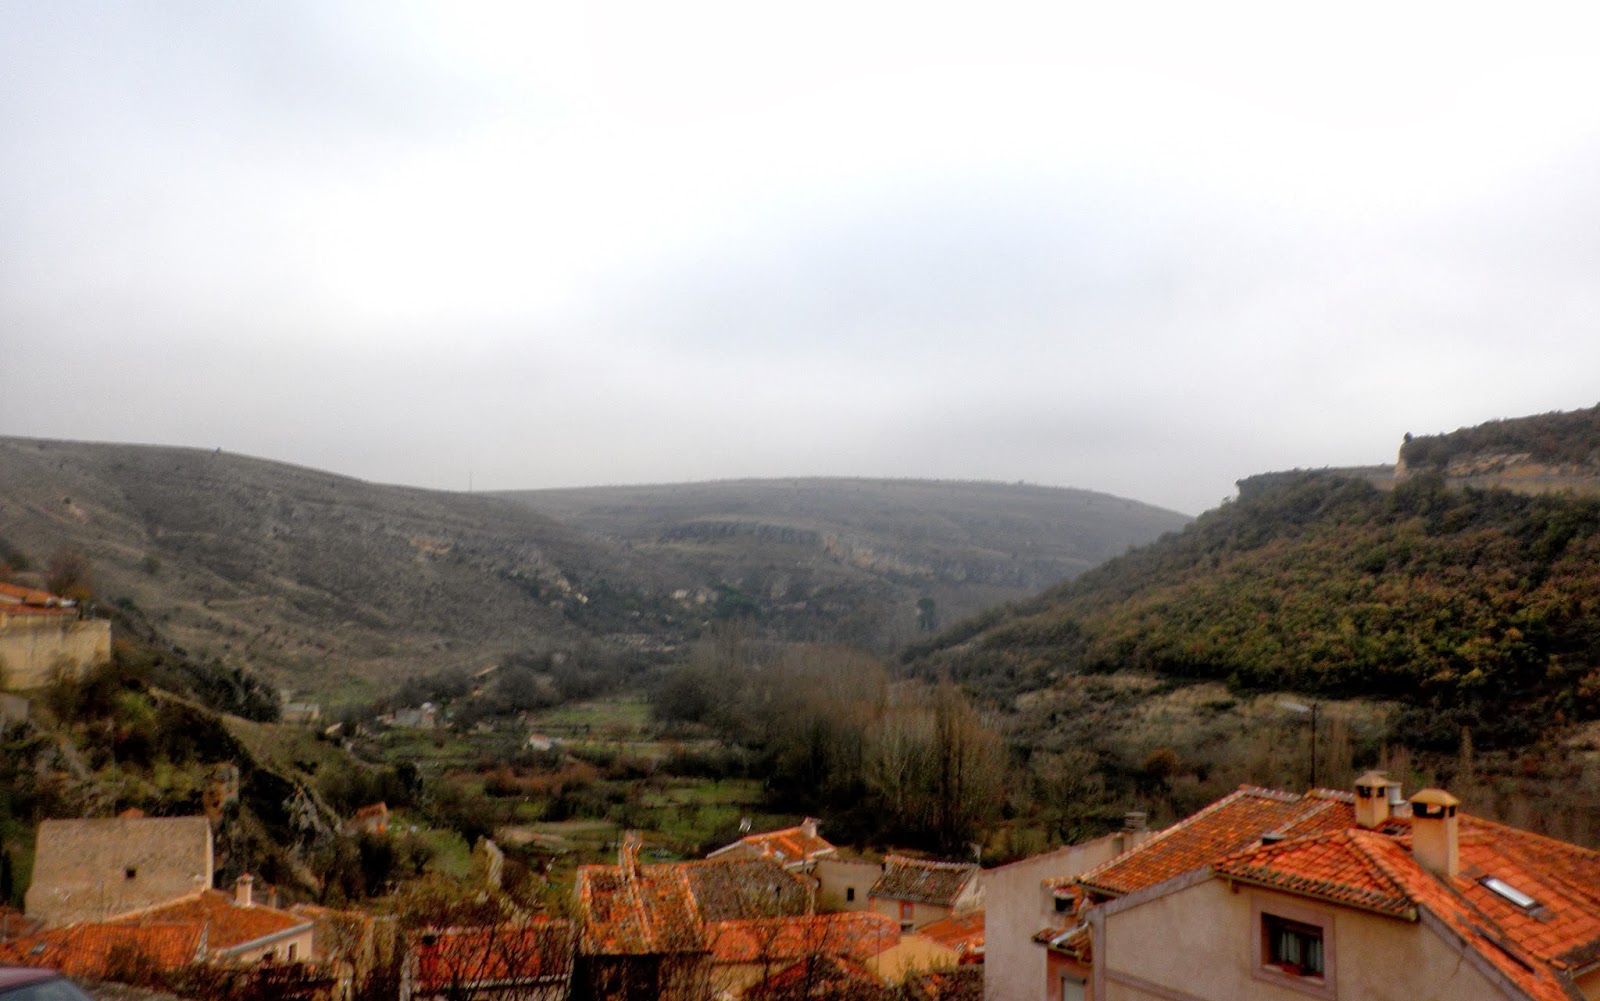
[1147,250]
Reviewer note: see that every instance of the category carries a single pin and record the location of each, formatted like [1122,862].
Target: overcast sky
[1145,249]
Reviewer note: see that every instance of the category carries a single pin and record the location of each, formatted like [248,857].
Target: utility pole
[1300,707]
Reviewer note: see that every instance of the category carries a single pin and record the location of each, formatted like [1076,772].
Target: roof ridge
[928,862]
[1166,833]
[1258,864]
[171,902]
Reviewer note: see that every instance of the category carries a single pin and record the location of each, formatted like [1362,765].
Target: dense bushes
[1480,606]
[1555,438]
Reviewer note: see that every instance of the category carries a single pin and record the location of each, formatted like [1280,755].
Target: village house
[917,893]
[1018,901]
[97,950]
[41,633]
[746,954]
[964,983]
[238,930]
[90,870]
[824,976]
[843,879]
[1268,894]
[370,819]
[647,931]
[795,848]
[348,945]
[205,926]
[962,935]
[524,961]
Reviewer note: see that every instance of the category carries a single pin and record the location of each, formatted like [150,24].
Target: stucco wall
[1197,943]
[1016,906]
[32,645]
[835,876]
[921,914]
[278,950]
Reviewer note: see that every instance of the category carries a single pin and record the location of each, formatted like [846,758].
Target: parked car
[29,983]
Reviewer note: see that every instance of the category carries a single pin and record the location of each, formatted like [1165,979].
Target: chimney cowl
[808,827]
[1436,832]
[1373,805]
[1397,799]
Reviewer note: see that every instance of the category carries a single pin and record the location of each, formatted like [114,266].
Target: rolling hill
[341,588]
[320,581]
[1472,608]
[864,561]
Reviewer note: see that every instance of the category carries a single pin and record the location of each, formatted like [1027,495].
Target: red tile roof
[1327,857]
[788,845]
[960,984]
[1351,867]
[11,594]
[939,883]
[539,952]
[963,933]
[1229,825]
[858,935]
[653,912]
[97,950]
[666,908]
[227,925]
[820,977]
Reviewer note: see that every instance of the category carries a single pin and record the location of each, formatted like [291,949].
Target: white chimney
[242,894]
[1435,834]
[1372,800]
[808,827]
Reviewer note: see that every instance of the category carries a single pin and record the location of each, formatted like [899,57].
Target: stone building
[91,870]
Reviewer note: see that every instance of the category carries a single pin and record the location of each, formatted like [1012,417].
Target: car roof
[16,976]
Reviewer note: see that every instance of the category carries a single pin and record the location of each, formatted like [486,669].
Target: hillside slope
[865,561]
[1473,608]
[334,586]
[316,579]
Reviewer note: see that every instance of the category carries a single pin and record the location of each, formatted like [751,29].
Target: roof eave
[256,943]
[1408,913]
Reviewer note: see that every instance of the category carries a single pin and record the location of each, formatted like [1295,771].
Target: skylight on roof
[1509,892]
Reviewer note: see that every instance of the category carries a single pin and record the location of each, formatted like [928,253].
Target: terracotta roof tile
[1326,857]
[1351,867]
[858,935]
[964,983]
[666,908]
[963,933]
[650,913]
[729,889]
[95,950]
[1229,825]
[820,976]
[938,883]
[788,845]
[14,594]
[228,926]
[538,952]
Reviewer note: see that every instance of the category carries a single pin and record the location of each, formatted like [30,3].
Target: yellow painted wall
[32,645]
[835,876]
[921,914]
[278,951]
